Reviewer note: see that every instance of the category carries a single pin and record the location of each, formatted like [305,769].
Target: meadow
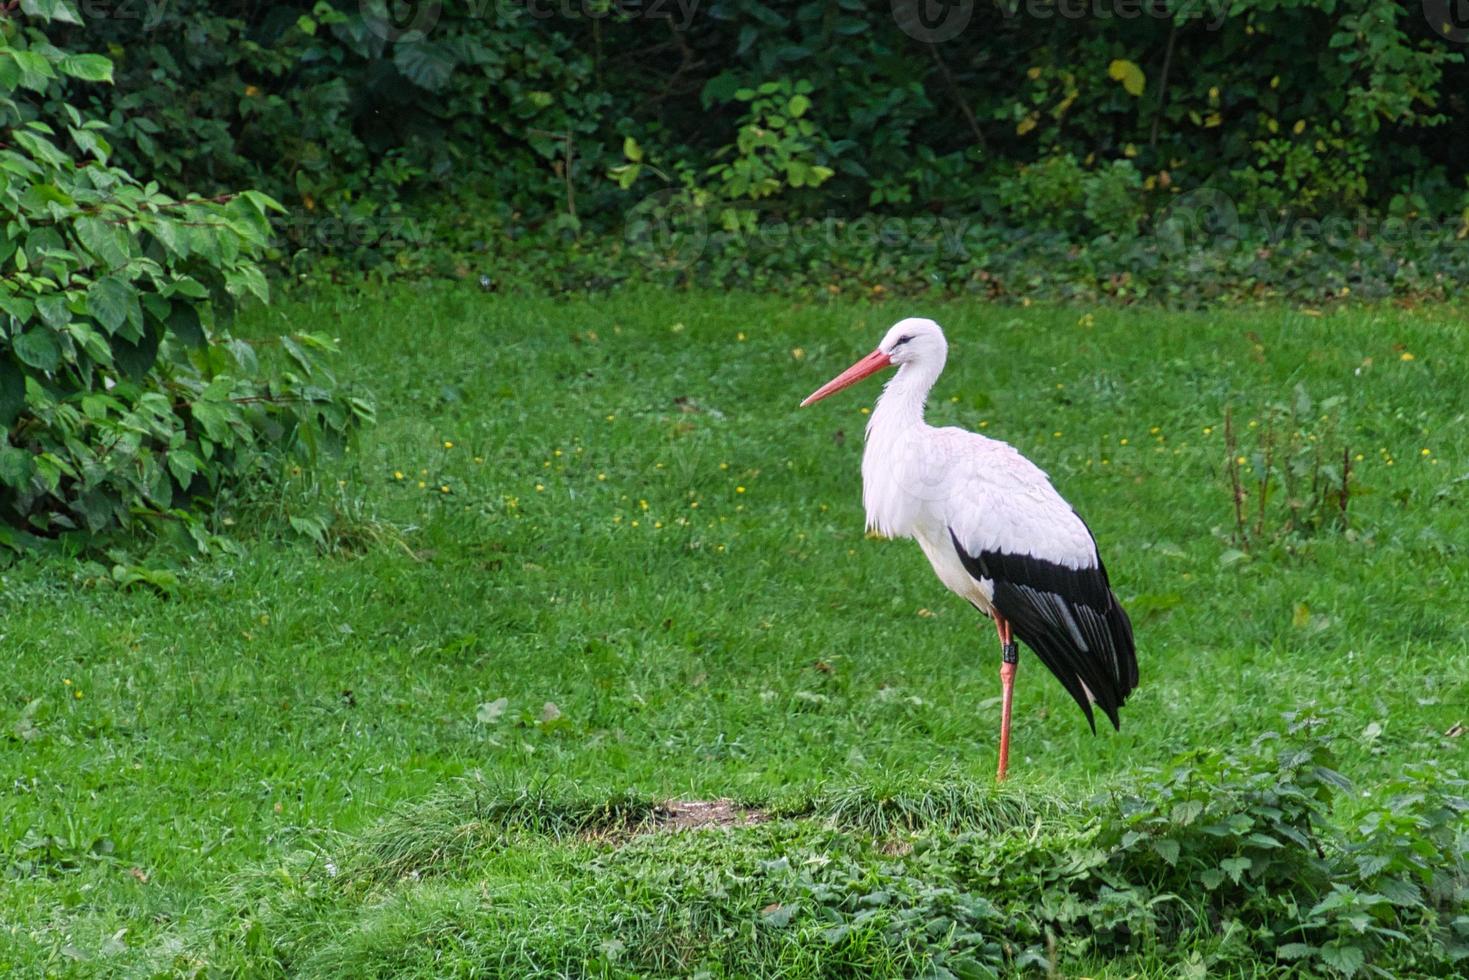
[426,716]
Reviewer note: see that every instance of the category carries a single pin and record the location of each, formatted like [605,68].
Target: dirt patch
[693,814]
[674,816]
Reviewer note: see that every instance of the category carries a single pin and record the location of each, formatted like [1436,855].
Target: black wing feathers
[1070,618]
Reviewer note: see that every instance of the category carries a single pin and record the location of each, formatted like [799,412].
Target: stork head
[915,341]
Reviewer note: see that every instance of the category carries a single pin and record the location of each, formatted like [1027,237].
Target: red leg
[1007,691]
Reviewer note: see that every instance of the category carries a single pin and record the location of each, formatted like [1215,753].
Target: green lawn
[593,557]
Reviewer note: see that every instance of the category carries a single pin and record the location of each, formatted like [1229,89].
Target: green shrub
[1240,854]
[122,397]
[480,142]
[1289,471]
[518,110]
[1061,195]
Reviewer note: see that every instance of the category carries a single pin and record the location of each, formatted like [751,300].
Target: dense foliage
[122,396]
[1220,863]
[478,128]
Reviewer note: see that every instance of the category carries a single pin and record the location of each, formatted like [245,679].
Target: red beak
[871,364]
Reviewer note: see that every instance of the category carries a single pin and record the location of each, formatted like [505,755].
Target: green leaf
[16,467]
[1402,893]
[1167,850]
[159,579]
[778,916]
[103,239]
[110,300]
[41,148]
[213,418]
[311,527]
[247,279]
[184,465]
[183,321]
[1187,812]
[87,67]
[426,65]
[1129,74]
[38,348]
[92,341]
[1340,956]
[16,306]
[297,353]
[1294,951]
[263,202]
[35,69]
[631,150]
[57,10]
[91,143]
[798,105]
[53,310]
[1235,867]
[244,356]
[135,358]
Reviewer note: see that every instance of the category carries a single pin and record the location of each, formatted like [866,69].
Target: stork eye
[902,340]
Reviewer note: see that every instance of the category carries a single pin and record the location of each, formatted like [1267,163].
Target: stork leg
[1009,658]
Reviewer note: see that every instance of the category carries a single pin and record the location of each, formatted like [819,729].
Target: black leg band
[1010,654]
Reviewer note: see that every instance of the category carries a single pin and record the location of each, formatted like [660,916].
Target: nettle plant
[778,149]
[1289,471]
[123,399]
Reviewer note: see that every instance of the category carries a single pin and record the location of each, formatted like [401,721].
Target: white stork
[995,530]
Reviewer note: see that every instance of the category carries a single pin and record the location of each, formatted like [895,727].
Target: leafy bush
[122,397]
[1239,854]
[1059,194]
[477,141]
[329,107]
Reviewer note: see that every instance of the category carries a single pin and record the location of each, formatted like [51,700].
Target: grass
[594,558]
